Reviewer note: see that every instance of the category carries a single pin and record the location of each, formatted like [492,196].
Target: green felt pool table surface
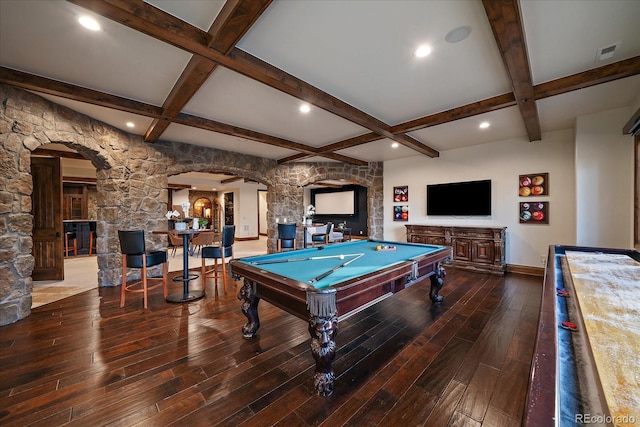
[306,264]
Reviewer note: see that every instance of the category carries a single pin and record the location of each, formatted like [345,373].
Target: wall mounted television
[470,198]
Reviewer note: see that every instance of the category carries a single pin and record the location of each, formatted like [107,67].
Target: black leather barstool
[134,255]
[225,250]
[286,236]
[92,238]
[70,237]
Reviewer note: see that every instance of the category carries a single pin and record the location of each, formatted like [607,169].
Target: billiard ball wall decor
[534,212]
[401,194]
[533,185]
[536,184]
[401,213]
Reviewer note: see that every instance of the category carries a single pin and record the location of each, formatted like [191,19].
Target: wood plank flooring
[83,361]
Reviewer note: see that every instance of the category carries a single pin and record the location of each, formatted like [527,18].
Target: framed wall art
[534,213]
[401,213]
[401,194]
[536,184]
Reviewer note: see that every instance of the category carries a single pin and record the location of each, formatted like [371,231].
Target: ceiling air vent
[607,52]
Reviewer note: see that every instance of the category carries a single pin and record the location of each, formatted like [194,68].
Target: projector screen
[335,203]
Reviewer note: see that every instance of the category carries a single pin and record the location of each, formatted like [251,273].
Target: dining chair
[286,236]
[221,252]
[176,242]
[322,238]
[134,255]
[204,238]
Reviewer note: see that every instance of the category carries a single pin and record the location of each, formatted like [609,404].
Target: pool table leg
[323,332]
[437,280]
[247,295]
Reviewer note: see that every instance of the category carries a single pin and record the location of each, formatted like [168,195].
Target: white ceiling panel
[48,41]
[563,37]
[240,101]
[116,118]
[364,55]
[504,124]
[220,141]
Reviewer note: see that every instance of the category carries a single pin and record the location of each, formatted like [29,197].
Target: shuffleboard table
[586,372]
[325,284]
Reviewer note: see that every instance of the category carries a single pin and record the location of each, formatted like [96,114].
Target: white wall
[502,162]
[604,176]
[246,209]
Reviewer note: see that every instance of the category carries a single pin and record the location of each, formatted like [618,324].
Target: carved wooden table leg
[323,332]
[437,280]
[247,295]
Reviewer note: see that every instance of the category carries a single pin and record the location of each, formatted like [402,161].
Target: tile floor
[81,273]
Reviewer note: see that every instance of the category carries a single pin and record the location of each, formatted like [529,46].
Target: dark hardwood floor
[84,361]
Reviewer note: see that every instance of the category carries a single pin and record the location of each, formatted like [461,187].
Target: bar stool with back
[134,255]
[70,236]
[225,250]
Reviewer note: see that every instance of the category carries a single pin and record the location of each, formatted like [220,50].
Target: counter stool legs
[67,237]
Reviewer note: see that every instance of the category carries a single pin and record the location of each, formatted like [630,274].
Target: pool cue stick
[276,261]
[334,269]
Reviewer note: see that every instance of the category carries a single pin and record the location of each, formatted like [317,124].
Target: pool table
[329,283]
[586,372]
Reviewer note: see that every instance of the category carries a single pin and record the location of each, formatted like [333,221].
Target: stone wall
[131,186]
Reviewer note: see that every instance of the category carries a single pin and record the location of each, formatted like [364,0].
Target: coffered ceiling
[232,74]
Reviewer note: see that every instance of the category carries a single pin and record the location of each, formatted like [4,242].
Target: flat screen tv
[470,198]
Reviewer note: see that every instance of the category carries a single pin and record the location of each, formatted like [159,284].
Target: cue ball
[341,256]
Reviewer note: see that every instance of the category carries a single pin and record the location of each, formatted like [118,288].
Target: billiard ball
[538,206]
[526,215]
[537,190]
[525,182]
[525,191]
[537,180]
[538,216]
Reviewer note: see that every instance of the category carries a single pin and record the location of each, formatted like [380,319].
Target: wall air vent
[607,52]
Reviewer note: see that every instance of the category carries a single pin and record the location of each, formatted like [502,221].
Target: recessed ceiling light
[422,51]
[130,125]
[484,125]
[458,34]
[89,23]
[305,108]
[395,145]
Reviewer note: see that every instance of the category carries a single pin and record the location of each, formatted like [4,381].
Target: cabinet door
[482,252]
[461,249]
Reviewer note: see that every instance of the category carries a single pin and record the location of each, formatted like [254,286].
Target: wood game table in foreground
[587,376]
[356,275]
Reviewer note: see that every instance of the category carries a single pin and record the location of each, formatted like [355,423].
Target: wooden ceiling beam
[149,20]
[212,125]
[605,74]
[506,24]
[65,90]
[233,21]
[465,111]
[57,153]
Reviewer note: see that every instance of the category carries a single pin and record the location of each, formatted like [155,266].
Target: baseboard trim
[525,269]
[242,239]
